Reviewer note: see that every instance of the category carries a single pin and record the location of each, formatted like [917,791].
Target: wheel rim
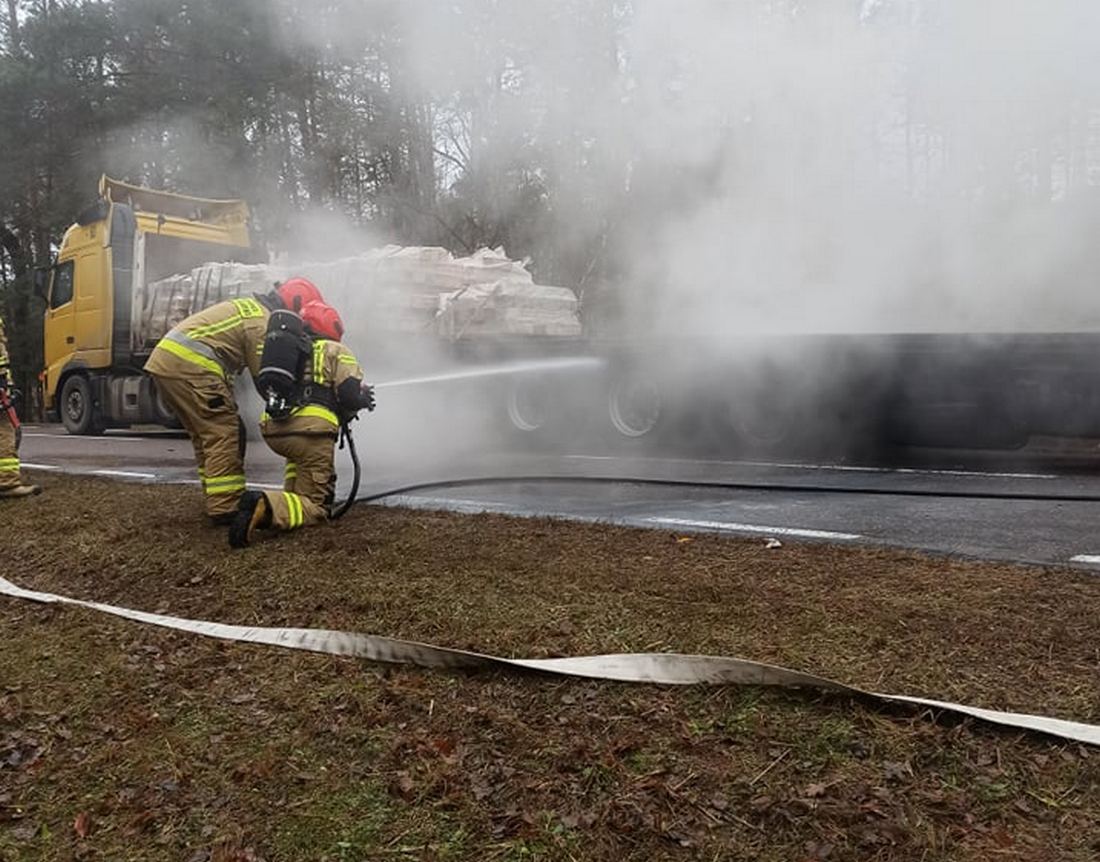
[635,408]
[527,406]
[74,406]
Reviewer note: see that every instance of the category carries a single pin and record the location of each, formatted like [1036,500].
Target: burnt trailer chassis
[823,395]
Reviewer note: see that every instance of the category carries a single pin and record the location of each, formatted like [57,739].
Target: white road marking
[843,468]
[735,527]
[1086,558]
[125,474]
[76,438]
[267,486]
[31,466]
[418,502]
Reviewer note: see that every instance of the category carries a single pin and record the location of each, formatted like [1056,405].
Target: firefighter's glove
[366,397]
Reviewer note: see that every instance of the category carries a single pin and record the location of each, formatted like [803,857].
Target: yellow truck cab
[95,294]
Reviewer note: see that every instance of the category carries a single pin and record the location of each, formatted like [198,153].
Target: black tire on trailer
[757,425]
[540,414]
[636,411]
[78,411]
[528,404]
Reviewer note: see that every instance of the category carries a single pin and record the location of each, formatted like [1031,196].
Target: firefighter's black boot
[253,513]
[20,491]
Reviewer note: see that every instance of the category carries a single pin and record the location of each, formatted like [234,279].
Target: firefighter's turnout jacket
[307,437]
[194,366]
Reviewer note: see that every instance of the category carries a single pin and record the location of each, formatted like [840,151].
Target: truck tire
[635,408]
[78,410]
[529,405]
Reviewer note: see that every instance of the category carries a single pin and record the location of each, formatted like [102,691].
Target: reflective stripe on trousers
[294,506]
[224,484]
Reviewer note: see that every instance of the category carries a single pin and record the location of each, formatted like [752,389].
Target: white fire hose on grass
[659,668]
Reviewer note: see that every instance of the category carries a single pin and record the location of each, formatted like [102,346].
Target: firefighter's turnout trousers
[310,479]
[193,366]
[307,439]
[9,457]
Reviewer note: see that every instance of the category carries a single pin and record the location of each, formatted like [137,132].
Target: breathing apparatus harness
[283,386]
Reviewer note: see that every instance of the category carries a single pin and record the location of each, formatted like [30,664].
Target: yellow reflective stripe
[215,328]
[319,361]
[294,509]
[347,359]
[231,478]
[191,356]
[9,465]
[291,470]
[214,492]
[317,411]
[248,308]
[224,484]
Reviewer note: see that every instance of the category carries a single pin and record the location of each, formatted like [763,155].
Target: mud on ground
[119,741]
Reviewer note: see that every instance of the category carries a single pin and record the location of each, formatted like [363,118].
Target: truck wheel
[78,412]
[635,407]
[529,406]
[762,429]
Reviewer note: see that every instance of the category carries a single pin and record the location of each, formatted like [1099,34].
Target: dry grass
[124,742]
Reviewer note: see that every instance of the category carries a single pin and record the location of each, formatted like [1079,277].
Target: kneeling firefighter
[312,386]
[194,366]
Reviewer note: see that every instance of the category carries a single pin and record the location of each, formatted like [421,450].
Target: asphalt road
[934,507]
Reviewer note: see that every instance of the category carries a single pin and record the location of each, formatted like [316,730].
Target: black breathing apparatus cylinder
[282,363]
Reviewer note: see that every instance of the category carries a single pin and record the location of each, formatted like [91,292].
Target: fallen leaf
[896,771]
[813,791]
[773,543]
[83,824]
[404,786]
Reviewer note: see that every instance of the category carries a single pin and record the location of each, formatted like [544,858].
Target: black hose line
[341,509]
[730,486]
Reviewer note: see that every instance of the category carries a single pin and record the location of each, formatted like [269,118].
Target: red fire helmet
[296,293]
[323,320]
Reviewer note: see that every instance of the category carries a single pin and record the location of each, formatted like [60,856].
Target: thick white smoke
[779,166]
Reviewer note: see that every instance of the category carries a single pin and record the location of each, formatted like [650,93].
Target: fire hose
[652,668]
[788,487]
[341,509]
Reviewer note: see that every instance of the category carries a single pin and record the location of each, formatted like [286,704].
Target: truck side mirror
[42,282]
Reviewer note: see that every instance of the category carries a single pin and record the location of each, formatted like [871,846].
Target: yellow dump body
[129,238]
